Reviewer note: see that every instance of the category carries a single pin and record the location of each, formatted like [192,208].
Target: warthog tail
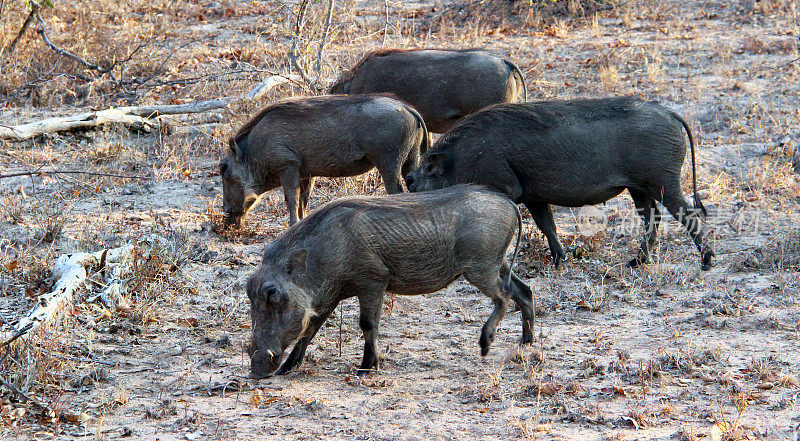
[697,202]
[507,284]
[520,77]
[426,136]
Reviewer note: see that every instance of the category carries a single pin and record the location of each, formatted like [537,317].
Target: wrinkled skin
[406,244]
[292,142]
[572,153]
[443,85]
[276,316]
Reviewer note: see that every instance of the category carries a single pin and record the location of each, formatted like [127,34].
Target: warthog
[405,244]
[291,142]
[444,85]
[572,153]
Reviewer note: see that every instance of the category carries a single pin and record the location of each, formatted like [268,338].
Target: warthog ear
[232,147]
[297,263]
[433,162]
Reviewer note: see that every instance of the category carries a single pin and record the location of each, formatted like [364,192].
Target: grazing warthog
[572,153]
[405,244]
[444,85]
[291,142]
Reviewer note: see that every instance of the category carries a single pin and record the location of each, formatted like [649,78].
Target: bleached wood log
[70,272]
[22,132]
[131,115]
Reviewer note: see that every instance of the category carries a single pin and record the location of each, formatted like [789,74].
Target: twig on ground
[67,172]
[70,272]
[82,185]
[140,83]
[19,393]
[18,334]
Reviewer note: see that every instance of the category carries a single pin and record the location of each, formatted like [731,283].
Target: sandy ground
[662,352]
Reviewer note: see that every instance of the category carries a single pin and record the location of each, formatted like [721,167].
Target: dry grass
[615,348]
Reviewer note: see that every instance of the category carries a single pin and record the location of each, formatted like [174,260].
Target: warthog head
[430,175]
[238,194]
[279,307]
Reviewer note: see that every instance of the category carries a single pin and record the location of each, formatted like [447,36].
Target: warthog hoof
[705,264]
[559,256]
[487,338]
[635,262]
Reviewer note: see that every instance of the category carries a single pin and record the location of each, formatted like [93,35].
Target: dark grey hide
[572,153]
[291,142]
[405,244]
[444,85]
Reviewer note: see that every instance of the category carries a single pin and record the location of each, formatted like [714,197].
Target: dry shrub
[782,254]
[687,359]
[773,177]
[754,45]
[132,36]
[156,273]
[504,15]
[768,7]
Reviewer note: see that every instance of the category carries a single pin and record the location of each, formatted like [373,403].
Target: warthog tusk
[271,354]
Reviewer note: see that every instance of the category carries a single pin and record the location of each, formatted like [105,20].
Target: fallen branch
[81,121]
[70,270]
[67,172]
[136,115]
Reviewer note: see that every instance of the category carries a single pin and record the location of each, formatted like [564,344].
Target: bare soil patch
[662,352]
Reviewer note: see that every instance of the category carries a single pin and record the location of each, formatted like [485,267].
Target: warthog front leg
[290,180]
[295,358]
[690,219]
[371,304]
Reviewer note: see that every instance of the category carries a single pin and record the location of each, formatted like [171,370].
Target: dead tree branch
[7,51]
[42,30]
[325,30]
[293,55]
[385,23]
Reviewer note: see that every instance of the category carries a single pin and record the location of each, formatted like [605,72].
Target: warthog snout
[411,183]
[230,220]
[263,362]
